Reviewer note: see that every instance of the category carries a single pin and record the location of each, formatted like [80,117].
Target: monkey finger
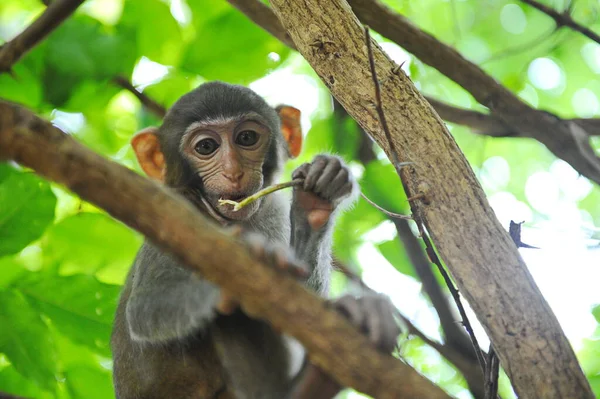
[327,175]
[336,188]
[351,308]
[256,244]
[374,327]
[314,172]
[301,171]
[389,327]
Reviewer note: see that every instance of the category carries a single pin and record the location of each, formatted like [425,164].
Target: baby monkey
[179,336]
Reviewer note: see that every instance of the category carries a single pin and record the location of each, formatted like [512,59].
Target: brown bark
[481,256]
[173,224]
[13,50]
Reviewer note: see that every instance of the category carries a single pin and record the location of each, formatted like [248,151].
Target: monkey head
[220,141]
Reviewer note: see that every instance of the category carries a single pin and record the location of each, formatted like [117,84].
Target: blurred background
[62,261]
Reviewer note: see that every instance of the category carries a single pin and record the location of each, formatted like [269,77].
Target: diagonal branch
[146,101]
[13,50]
[563,19]
[177,227]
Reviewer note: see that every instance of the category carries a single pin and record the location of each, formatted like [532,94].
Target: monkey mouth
[237,197]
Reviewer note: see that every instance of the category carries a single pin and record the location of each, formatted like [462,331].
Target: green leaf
[26,208]
[80,307]
[23,86]
[161,43]
[81,49]
[91,242]
[171,87]
[395,254]
[230,47]
[323,137]
[12,382]
[350,227]
[86,382]
[381,184]
[25,339]
[596,313]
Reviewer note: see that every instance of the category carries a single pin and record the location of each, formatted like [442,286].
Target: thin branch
[428,246]
[146,101]
[491,374]
[563,19]
[265,191]
[13,50]
[393,215]
[379,104]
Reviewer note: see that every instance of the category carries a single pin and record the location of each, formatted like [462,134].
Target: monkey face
[228,155]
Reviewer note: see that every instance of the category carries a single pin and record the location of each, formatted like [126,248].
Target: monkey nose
[235,177]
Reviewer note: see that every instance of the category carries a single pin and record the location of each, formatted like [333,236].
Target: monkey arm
[312,247]
[167,302]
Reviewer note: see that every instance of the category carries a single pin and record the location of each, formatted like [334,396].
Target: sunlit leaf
[26,208]
[230,47]
[25,339]
[89,243]
[392,251]
[80,306]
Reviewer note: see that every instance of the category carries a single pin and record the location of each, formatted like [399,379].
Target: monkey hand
[279,257]
[327,183]
[374,316]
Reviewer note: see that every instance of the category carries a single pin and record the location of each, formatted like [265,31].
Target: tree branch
[456,340]
[481,256]
[510,116]
[177,227]
[146,101]
[563,19]
[13,50]
[564,139]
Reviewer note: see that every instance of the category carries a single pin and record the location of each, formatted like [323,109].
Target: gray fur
[168,341]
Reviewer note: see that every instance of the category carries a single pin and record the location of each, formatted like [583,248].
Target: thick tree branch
[13,50]
[481,256]
[146,101]
[177,227]
[563,19]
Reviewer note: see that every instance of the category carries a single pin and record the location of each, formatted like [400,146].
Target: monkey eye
[247,138]
[206,146]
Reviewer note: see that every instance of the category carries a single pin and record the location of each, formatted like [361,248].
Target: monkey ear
[148,153]
[290,128]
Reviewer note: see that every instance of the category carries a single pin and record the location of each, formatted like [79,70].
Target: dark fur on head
[215,100]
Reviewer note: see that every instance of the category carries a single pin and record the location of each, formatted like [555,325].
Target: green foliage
[26,208]
[62,261]
[26,343]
